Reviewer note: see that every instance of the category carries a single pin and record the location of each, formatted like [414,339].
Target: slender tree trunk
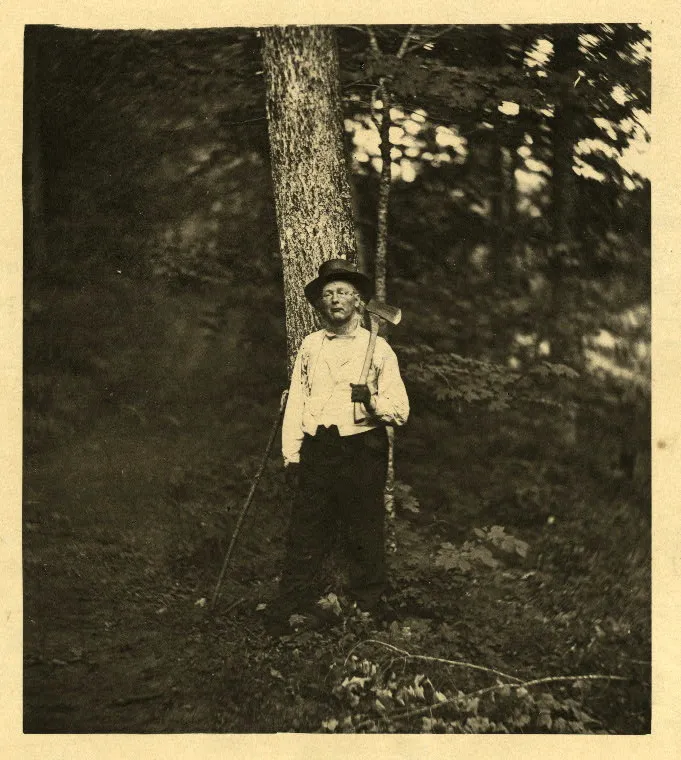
[500,211]
[362,257]
[380,269]
[380,263]
[311,188]
[565,342]
[496,52]
[563,188]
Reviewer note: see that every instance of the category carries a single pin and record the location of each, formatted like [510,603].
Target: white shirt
[319,393]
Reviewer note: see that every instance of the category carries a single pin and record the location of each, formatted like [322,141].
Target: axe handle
[359,412]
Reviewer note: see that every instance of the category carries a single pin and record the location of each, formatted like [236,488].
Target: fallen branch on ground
[428,658]
[525,684]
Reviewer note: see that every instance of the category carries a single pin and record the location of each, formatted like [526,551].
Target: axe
[376,310]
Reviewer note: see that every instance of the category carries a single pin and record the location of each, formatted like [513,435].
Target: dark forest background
[154,357]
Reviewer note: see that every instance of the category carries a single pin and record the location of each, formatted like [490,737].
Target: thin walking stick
[249,498]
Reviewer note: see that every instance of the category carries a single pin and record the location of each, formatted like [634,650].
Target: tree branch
[429,658]
[373,41]
[239,123]
[429,708]
[430,39]
[405,42]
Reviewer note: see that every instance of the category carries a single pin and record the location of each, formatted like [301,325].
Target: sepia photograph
[337,379]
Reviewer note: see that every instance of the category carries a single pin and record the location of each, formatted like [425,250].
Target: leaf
[485,556]
[411,505]
[451,558]
[276,674]
[546,701]
[472,705]
[355,681]
[330,603]
[521,548]
[521,720]
[476,725]
[544,720]
[296,619]
[330,725]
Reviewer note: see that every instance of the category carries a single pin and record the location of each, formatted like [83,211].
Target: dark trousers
[340,496]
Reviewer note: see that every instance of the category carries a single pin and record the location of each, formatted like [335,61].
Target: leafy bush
[451,557]
[459,380]
[373,697]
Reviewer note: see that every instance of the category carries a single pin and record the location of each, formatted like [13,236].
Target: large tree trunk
[311,188]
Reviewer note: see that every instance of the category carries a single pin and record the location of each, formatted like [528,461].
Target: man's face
[340,301]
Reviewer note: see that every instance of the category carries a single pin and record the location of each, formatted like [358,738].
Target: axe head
[385,311]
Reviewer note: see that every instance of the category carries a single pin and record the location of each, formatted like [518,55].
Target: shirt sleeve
[391,403]
[292,425]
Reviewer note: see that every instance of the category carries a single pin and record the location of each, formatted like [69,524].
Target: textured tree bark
[311,188]
[380,262]
[380,269]
[380,265]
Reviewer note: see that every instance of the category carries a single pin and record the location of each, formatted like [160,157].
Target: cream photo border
[665,740]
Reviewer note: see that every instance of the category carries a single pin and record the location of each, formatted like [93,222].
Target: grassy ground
[137,465]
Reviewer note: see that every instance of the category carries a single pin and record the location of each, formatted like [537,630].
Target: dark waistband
[326,432]
[329,433]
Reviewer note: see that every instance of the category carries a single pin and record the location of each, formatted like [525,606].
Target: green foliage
[481,550]
[461,90]
[405,498]
[450,557]
[507,543]
[373,698]
[451,378]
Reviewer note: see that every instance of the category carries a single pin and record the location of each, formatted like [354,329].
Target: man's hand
[361,394]
[292,476]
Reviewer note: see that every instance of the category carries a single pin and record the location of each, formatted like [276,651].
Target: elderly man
[336,460]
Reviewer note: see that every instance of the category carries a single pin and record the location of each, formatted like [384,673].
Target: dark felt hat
[338,269]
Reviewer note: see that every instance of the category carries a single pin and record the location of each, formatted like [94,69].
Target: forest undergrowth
[521,574]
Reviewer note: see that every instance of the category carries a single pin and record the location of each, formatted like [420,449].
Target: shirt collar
[331,335]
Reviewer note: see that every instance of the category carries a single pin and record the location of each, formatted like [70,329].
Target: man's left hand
[361,394]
